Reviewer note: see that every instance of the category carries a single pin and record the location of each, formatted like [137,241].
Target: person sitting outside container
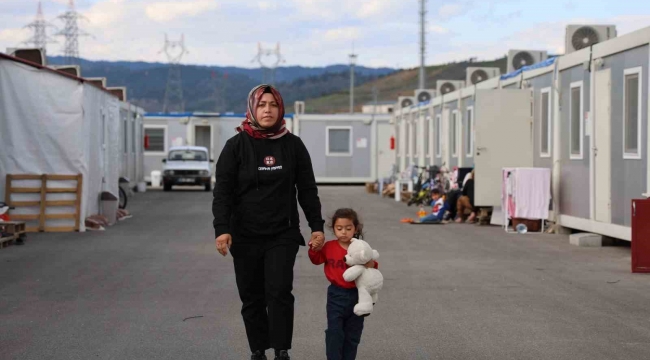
[466,201]
[438,210]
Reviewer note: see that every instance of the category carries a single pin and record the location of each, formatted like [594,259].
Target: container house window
[339,141]
[157,138]
[545,105]
[454,133]
[631,114]
[438,136]
[470,131]
[577,129]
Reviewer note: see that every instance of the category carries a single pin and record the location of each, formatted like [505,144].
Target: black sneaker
[282,355]
[258,355]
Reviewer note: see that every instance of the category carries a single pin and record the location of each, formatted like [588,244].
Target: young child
[344,328]
[439,208]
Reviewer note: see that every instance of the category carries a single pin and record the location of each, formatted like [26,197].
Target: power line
[174,90]
[422,42]
[268,69]
[71,32]
[39,27]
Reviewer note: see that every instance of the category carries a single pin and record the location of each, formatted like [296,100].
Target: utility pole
[71,32]
[353,60]
[174,90]
[422,43]
[39,27]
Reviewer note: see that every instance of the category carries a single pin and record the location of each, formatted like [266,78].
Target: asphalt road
[450,291]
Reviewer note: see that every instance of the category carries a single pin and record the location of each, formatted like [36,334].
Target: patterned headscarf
[250,124]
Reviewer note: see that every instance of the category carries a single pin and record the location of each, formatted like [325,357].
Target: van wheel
[208,186]
[167,187]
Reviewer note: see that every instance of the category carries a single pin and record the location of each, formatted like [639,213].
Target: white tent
[52,123]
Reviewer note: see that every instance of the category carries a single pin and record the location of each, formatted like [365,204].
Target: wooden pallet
[44,203]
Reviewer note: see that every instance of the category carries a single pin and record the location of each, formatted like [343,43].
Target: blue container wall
[539,83]
[574,177]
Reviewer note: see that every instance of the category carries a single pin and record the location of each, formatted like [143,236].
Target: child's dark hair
[346,213]
[435,191]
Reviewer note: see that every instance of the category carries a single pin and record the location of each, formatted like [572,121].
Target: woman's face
[344,230]
[267,111]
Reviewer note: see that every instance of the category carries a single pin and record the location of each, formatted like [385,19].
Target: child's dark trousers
[344,328]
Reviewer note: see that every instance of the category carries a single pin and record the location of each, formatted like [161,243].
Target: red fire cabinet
[641,236]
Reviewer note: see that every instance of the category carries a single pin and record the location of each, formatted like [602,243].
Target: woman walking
[260,173]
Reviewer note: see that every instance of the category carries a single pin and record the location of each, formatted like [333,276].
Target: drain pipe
[557,162]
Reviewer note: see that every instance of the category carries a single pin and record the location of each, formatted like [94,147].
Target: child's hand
[317,241]
[370,264]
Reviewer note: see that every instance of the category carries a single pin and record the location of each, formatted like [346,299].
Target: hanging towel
[532,193]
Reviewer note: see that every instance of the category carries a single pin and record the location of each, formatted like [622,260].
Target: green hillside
[401,83]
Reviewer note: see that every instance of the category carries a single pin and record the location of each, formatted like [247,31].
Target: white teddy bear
[368,281]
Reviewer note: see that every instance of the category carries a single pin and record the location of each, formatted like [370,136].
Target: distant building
[383,107]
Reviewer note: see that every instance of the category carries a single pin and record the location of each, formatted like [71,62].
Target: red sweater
[333,256]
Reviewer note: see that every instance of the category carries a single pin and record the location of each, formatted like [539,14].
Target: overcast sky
[321,32]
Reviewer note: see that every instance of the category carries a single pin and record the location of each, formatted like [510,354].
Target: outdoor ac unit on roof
[422,95]
[120,92]
[74,70]
[446,86]
[35,55]
[405,101]
[520,58]
[100,81]
[476,75]
[581,36]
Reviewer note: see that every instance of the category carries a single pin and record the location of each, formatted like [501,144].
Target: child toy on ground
[344,328]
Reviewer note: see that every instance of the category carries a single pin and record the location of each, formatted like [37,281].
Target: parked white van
[187,165]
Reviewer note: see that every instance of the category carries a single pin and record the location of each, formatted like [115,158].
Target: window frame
[455,120]
[165,141]
[580,156]
[438,125]
[633,71]
[549,133]
[470,129]
[327,141]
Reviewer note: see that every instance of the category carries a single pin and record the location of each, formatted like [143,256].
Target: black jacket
[256,185]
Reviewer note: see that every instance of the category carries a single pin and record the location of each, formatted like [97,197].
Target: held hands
[223,244]
[317,240]
[370,264]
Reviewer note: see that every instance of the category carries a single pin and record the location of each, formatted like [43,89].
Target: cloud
[345,34]
[166,11]
[450,10]
[266,5]
[438,29]
[14,36]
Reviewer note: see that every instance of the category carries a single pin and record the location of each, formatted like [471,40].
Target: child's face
[344,230]
[435,196]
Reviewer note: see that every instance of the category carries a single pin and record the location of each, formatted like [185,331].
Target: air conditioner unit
[35,55]
[299,107]
[476,75]
[581,36]
[520,58]
[405,101]
[101,82]
[423,95]
[446,86]
[74,70]
[120,92]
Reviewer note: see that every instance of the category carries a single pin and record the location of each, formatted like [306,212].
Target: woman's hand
[370,264]
[317,240]
[223,244]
